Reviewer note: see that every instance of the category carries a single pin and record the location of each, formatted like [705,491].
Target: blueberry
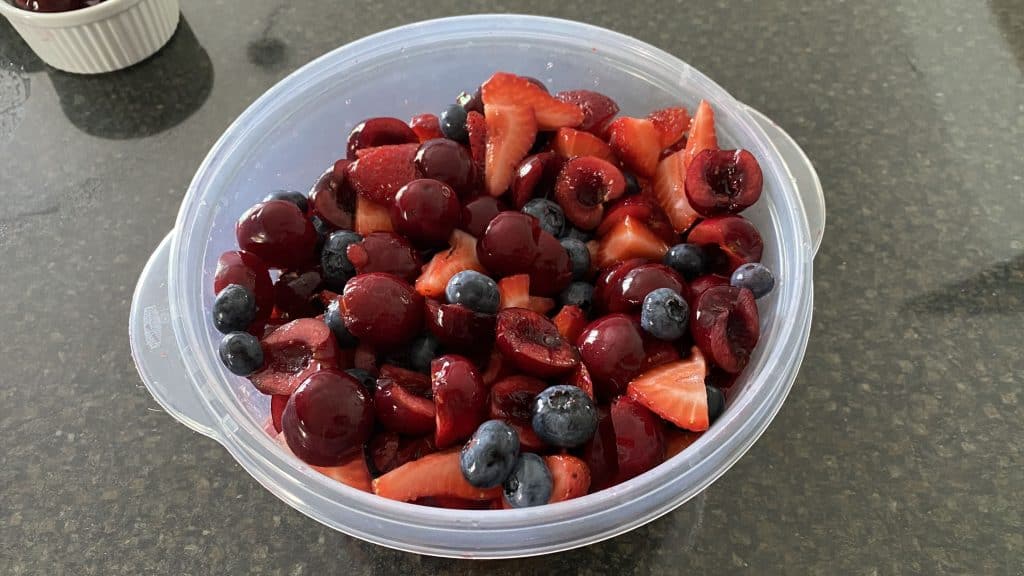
[687,259]
[490,455]
[422,352]
[529,484]
[664,314]
[334,321]
[453,123]
[716,403]
[364,378]
[334,258]
[564,416]
[297,198]
[632,184]
[580,257]
[578,294]
[576,233]
[474,291]
[241,353]
[234,309]
[755,277]
[550,215]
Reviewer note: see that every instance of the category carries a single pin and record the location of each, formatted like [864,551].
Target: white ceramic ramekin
[108,36]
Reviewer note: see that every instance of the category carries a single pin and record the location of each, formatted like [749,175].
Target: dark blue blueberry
[550,215]
[334,321]
[241,353]
[580,257]
[564,416]
[234,309]
[297,198]
[755,277]
[716,403]
[364,378]
[689,260]
[529,484]
[578,294]
[577,234]
[490,455]
[474,291]
[337,268]
[664,314]
[632,184]
[422,352]
[453,123]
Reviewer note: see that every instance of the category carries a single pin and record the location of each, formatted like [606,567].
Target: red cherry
[725,326]
[535,178]
[551,270]
[533,344]
[478,213]
[327,418]
[248,270]
[639,438]
[460,398]
[332,199]
[723,182]
[446,161]
[379,132]
[731,240]
[296,294]
[385,252]
[601,453]
[509,245]
[399,410]
[460,328]
[626,290]
[279,233]
[426,211]
[613,350]
[292,352]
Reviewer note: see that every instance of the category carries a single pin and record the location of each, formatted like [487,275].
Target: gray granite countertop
[899,450]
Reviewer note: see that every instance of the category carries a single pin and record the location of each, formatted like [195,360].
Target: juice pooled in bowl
[522,300]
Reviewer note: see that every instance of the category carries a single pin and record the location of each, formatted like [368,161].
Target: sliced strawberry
[671,123]
[677,440]
[426,127]
[570,477]
[570,321]
[630,239]
[670,191]
[515,291]
[461,255]
[643,209]
[598,109]
[476,125]
[353,472]
[372,217]
[637,142]
[702,133]
[675,392]
[581,379]
[435,474]
[381,171]
[511,130]
[504,89]
[570,143]
[541,305]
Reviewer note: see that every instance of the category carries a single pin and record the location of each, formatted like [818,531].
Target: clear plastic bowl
[288,136]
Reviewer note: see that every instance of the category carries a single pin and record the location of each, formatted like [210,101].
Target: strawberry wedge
[461,255]
[511,130]
[435,474]
[670,192]
[702,132]
[505,89]
[676,392]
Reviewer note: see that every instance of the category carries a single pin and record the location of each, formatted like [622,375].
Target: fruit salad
[522,300]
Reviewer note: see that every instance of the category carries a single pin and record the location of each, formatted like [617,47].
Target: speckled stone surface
[899,450]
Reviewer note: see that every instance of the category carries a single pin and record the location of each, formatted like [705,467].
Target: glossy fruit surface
[327,418]
[532,342]
[460,399]
[613,351]
[278,233]
[379,132]
[382,309]
[725,326]
[448,162]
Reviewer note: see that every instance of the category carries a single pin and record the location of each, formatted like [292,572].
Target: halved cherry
[723,182]
[511,400]
[598,109]
[535,178]
[277,404]
[551,270]
[732,238]
[478,213]
[415,382]
[399,410]
[725,326]
[460,398]
[332,199]
[533,344]
[601,454]
[292,353]
[584,185]
[387,450]
[278,232]
[700,285]
[639,438]
[296,294]
[458,327]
